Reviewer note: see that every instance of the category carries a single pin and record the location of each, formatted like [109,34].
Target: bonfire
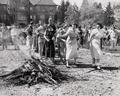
[34,71]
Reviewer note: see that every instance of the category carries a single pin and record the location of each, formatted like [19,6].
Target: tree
[99,6]
[67,5]
[56,16]
[13,8]
[92,15]
[72,14]
[60,13]
[109,15]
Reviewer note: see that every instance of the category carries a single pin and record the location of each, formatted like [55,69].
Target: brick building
[42,10]
[22,11]
[4,17]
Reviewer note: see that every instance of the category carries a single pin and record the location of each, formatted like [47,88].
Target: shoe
[98,68]
[68,66]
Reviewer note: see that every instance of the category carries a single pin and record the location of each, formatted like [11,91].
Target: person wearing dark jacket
[49,48]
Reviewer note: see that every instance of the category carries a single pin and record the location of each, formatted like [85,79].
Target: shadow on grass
[81,65]
[63,79]
[3,67]
[110,68]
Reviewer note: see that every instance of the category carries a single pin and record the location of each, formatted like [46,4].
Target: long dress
[49,48]
[29,36]
[4,37]
[113,38]
[40,32]
[95,49]
[14,34]
[71,44]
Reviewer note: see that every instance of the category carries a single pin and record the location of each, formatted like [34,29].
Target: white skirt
[71,51]
[95,49]
[29,41]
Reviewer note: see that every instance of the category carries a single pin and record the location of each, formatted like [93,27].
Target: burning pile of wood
[34,71]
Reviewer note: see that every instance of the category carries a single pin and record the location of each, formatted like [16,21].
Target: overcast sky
[78,2]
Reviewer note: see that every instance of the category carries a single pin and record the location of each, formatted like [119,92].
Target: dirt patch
[85,81]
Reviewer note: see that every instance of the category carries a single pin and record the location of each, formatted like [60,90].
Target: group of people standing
[42,38]
[71,34]
[9,35]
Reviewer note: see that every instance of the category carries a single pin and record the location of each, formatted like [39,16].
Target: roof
[3,1]
[43,2]
[34,2]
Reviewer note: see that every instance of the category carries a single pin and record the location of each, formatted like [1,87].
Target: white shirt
[14,31]
[112,34]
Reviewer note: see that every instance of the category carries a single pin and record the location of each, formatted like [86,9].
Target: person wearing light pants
[14,34]
[113,38]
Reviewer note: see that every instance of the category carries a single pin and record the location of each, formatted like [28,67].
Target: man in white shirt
[4,36]
[14,34]
[113,38]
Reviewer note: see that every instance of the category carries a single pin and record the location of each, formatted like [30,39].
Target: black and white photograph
[59,47]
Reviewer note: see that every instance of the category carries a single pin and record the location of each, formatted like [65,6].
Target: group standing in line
[42,39]
[74,38]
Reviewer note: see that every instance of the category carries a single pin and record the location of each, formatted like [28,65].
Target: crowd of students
[9,35]
[43,39]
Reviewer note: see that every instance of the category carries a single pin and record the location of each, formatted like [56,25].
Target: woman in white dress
[71,44]
[113,37]
[14,34]
[4,36]
[95,36]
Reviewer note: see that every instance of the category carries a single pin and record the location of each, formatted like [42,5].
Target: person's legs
[52,59]
[5,44]
[98,64]
[75,60]
[93,60]
[115,41]
[92,54]
[67,63]
[16,43]
[40,49]
[112,45]
[30,44]
[98,58]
